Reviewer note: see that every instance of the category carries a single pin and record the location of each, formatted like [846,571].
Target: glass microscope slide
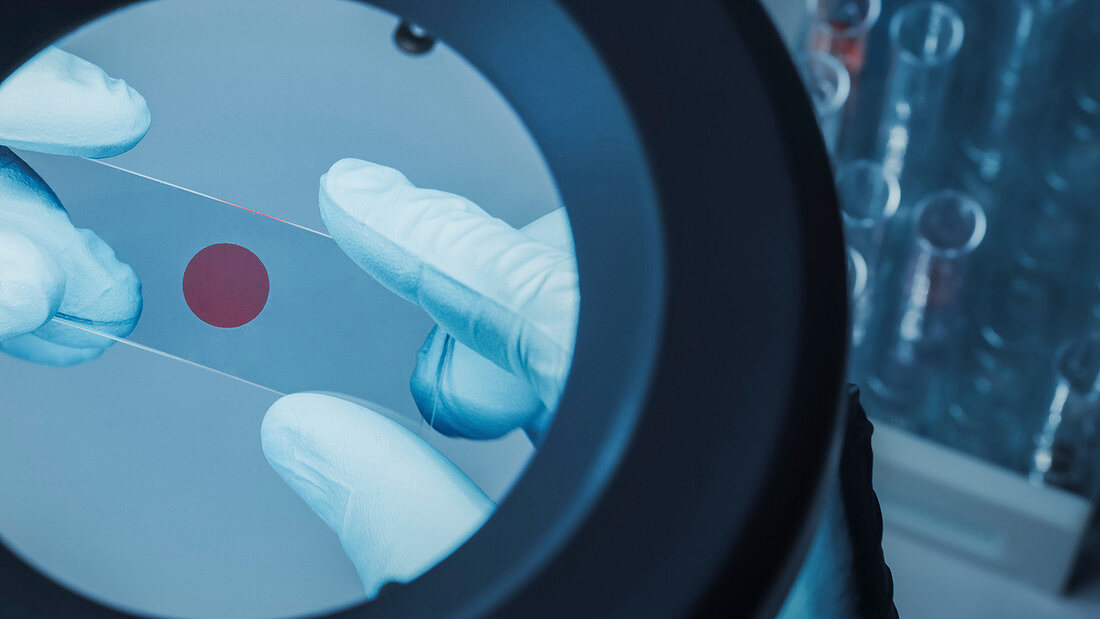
[325,325]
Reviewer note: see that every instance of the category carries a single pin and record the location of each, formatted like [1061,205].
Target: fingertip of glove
[296,443]
[104,290]
[32,285]
[287,418]
[350,184]
[321,430]
[124,119]
[131,126]
[61,104]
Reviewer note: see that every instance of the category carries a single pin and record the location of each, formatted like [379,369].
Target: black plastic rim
[685,463]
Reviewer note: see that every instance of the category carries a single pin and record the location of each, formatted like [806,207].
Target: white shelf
[990,516]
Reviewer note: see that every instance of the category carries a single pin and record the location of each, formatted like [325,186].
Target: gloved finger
[397,504]
[460,393]
[31,285]
[508,297]
[99,290]
[61,104]
[553,229]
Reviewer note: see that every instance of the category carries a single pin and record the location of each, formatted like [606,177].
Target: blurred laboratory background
[964,141]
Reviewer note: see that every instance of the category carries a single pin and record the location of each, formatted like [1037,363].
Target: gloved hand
[506,303]
[845,575]
[60,104]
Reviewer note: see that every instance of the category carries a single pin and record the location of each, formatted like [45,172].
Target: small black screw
[413,39]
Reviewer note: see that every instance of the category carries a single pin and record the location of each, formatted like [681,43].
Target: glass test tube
[1090,283]
[1092,317]
[827,81]
[1023,46]
[1015,316]
[1086,92]
[858,300]
[925,39]
[799,19]
[1069,157]
[1047,237]
[1065,447]
[948,226]
[986,414]
[840,28]
[869,198]
[982,418]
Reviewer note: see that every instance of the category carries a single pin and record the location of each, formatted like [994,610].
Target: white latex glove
[506,302]
[57,103]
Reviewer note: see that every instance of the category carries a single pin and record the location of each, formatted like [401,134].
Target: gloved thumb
[397,505]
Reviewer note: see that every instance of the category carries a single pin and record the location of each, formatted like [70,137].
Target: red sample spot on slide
[226,285]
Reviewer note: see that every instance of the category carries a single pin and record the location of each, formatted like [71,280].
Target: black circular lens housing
[686,459]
